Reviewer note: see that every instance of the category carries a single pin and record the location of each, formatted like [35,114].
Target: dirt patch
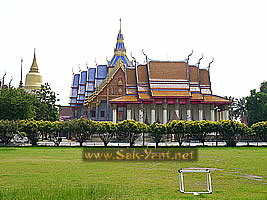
[211,169]
[253,177]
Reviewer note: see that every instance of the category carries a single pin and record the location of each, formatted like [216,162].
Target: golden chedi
[33,78]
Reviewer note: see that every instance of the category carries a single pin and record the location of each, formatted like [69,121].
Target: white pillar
[129,113]
[114,115]
[188,113]
[153,115]
[177,108]
[226,114]
[165,116]
[217,115]
[141,114]
[212,115]
[200,112]
[200,115]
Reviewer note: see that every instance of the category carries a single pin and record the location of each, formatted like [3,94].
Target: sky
[68,34]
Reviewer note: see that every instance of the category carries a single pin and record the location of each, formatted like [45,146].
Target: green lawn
[60,173]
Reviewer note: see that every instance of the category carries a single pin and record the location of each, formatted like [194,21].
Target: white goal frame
[181,180]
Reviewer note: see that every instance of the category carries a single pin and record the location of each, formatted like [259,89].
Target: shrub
[157,131]
[260,129]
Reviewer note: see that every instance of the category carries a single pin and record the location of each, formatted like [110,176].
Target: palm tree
[240,111]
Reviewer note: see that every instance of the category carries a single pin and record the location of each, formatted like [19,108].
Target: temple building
[33,79]
[158,91]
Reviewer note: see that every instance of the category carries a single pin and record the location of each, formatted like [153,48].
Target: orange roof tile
[125,99]
[171,93]
[197,96]
[193,73]
[204,77]
[167,70]
[142,74]
[130,75]
[144,96]
[215,99]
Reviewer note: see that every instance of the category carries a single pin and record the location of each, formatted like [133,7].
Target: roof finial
[189,55]
[200,60]
[95,62]
[133,59]
[145,54]
[9,85]
[120,25]
[3,79]
[210,63]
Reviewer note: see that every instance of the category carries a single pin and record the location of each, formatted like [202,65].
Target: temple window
[93,113]
[120,115]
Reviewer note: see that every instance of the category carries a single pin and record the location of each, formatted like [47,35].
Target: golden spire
[33,78]
[34,67]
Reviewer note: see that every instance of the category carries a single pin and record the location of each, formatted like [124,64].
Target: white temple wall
[194,112]
[171,112]
[206,112]
[159,113]
[183,112]
[147,113]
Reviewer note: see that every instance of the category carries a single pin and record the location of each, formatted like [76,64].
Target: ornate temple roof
[120,53]
[174,81]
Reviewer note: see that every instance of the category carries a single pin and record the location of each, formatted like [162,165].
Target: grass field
[60,173]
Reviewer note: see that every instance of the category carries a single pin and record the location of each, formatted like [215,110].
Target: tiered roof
[153,82]
[173,81]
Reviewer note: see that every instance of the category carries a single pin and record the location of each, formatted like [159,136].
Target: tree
[31,128]
[194,129]
[179,129]
[45,129]
[56,127]
[237,108]
[231,131]
[131,130]
[157,131]
[8,129]
[81,129]
[106,131]
[260,129]
[263,87]
[241,112]
[17,104]
[257,105]
[46,107]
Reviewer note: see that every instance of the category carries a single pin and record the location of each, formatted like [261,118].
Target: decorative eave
[125,99]
[214,99]
[95,94]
